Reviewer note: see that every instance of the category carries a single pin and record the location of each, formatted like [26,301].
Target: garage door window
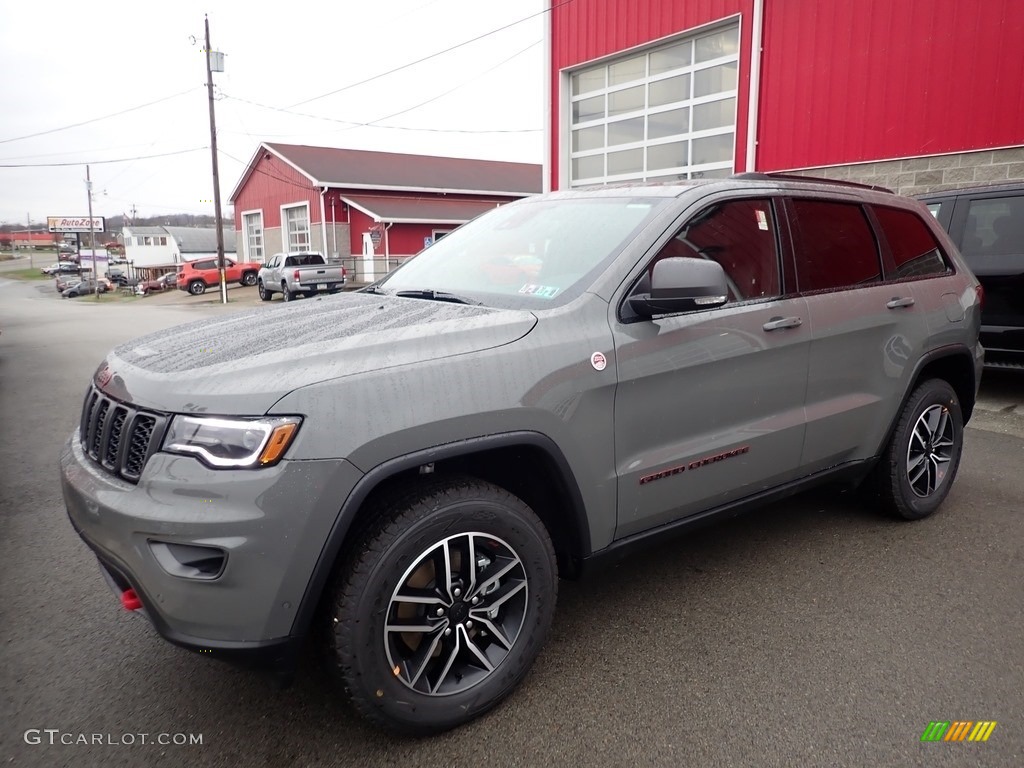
[254,236]
[669,113]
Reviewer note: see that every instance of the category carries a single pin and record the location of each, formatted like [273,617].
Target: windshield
[529,254]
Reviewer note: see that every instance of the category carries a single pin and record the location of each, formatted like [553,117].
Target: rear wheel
[249,278]
[443,607]
[919,465]
[197,287]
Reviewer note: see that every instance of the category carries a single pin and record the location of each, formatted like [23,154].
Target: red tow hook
[130,601]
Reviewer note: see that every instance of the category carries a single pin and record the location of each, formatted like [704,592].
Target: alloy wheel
[930,450]
[456,614]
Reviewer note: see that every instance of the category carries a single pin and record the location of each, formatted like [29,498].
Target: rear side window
[834,246]
[994,233]
[914,249]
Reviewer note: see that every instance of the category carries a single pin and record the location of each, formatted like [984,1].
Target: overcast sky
[68,62]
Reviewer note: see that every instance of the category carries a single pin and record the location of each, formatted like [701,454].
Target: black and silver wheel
[444,606]
[286,294]
[919,465]
[265,295]
[197,287]
[249,278]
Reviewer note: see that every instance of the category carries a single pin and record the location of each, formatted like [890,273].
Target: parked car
[987,224]
[63,281]
[62,267]
[404,473]
[117,277]
[84,288]
[299,274]
[161,283]
[196,276]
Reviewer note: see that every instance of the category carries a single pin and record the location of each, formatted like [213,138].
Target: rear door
[865,330]
[709,406]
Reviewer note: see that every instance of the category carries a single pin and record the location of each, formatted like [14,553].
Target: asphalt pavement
[810,633]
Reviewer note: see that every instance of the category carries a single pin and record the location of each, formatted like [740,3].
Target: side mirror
[682,285]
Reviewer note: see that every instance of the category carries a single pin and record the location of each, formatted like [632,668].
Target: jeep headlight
[223,442]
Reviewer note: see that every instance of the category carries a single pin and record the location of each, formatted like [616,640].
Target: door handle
[780,323]
[900,301]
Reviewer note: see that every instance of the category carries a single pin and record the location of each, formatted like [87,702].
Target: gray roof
[201,239]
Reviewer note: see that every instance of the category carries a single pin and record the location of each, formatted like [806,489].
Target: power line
[97,119]
[99,162]
[431,56]
[451,90]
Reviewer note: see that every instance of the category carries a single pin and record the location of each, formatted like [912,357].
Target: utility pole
[216,174]
[31,247]
[92,237]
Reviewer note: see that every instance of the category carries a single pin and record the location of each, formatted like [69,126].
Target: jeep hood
[245,362]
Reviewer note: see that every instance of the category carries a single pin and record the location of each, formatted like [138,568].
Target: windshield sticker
[540,291]
[762,220]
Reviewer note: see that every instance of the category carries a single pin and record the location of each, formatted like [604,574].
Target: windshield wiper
[432,295]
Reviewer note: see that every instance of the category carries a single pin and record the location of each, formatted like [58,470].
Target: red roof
[411,210]
[360,169]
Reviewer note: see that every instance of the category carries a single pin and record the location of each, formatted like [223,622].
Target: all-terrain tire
[920,462]
[393,677]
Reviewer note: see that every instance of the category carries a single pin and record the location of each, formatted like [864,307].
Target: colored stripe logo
[959,730]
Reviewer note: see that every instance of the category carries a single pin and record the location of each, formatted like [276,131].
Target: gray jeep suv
[403,474]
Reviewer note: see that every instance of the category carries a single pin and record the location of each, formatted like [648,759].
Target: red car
[196,276]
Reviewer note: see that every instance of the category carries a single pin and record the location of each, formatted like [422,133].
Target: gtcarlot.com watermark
[55,736]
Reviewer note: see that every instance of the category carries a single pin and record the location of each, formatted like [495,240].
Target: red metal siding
[274,183]
[853,80]
[589,29]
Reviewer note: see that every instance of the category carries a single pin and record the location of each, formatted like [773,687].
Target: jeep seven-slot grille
[117,437]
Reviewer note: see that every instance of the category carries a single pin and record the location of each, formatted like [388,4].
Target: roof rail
[755,176]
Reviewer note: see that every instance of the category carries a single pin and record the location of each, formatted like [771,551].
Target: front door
[709,406]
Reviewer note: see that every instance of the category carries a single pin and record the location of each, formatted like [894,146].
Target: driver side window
[741,236]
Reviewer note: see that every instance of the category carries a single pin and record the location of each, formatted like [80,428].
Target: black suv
[987,224]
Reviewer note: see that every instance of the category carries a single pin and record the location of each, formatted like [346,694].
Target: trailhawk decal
[695,464]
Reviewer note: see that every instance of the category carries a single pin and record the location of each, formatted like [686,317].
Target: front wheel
[197,287]
[265,295]
[443,607]
[919,465]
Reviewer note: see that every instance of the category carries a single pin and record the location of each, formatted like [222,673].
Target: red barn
[916,95]
[370,209]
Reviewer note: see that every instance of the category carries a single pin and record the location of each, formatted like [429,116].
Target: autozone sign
[75,224]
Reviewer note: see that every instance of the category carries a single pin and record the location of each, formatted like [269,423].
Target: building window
[253,224]
[296,223]
[668,113]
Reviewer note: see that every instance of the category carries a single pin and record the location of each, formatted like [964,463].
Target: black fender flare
[373,478]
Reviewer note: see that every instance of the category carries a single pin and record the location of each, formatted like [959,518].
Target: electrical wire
[97,119]
[99,162]
[430,56]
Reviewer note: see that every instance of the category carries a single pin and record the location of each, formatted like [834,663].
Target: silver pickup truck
[295,274]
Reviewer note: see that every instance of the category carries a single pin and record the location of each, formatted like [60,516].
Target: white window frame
[435,232]
[247,238]
[689,169]
[286,233]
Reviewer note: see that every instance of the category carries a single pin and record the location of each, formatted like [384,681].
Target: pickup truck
[299,274]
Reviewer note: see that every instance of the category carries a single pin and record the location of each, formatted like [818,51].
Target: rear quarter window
[914,249]
[993,239]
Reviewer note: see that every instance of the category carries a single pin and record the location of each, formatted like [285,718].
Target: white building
[163,247]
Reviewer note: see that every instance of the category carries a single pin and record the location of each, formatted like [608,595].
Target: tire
[287,295]
[265,295]
[389,679]
[197,287]
[920,462]
[249,278]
